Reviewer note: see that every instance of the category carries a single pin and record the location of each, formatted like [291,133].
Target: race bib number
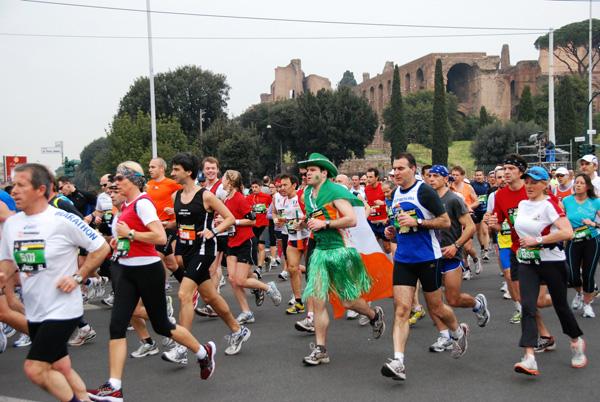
[529,255]
[376,210]
[30,256]
[505,229]
[231,231]
[290,227]
[582,233]
[512,215]
[187,232]
[405,229]
[260,208]
[108,216]
[482,199]
[123,246]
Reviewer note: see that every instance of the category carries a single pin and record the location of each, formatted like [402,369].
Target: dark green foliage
[441,129]
[393,116]
[496,140]
[348,79]
[483,117]
[526,105]
[566,124]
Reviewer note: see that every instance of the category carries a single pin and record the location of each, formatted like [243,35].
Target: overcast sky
[64,68]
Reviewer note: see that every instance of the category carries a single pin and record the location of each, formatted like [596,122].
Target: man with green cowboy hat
[335,265]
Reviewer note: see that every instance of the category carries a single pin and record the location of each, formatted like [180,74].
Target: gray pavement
[269,365]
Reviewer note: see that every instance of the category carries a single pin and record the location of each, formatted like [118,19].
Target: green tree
[338,124]
[418,108]
[496,140]
[441,129]
[180,93]
[393,117]
[526,105]
[89,172]
[483,117]
[348,79]
[571,45]
[131,139]
[566,125]
[234,146]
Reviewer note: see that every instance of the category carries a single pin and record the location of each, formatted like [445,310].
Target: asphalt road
[269,365]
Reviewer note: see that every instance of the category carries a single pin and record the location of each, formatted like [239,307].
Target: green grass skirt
[339,271]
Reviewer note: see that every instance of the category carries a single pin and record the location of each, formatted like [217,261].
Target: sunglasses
[60,188]
[560,175]
[104,185]
[119,178]
[303,174]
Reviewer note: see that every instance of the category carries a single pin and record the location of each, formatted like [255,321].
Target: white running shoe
[145,349]
[274,293]
[504,287]
[292,300]
[352,315]
[478,267]
[80,336]
[442,344]
[169,306]
[245,317]
[467,275]
[285,275]
[527,366]
[306,325]
[578,359]
[24,340]
[177,354]
[235,341]
[577,302]
[588,311]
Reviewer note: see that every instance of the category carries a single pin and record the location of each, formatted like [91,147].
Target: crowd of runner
[69,246]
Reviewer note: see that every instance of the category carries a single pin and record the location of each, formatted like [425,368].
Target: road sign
[50,150]
[579,139]
[591,132]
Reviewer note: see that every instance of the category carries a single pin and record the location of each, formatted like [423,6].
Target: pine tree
[526,106]
[394,132]
[566,123]
[483,117]
[441,131]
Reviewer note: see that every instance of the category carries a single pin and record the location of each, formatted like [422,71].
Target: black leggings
[554,274]
[583,259]
[147,282]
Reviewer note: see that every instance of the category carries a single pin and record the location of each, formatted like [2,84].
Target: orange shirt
[161,192]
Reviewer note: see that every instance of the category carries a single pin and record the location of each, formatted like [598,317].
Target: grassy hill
[459,153]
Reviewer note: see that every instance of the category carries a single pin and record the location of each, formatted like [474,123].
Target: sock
[575,344]
[310,315]
[445,333]
[116,384]
[475,260]
[477,305]
[418,308]
[457,334]
[86,327]
[518,306]
[149,341]
[374,320]
[260,267]
[399,356]
[482,247]
[202,353]
[322,347]
[239,331]
[179,273]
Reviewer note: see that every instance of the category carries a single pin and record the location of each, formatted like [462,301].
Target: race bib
[260,208]
[187,232]
[123,246]
[231,231]
[482,199]
[30,256]
[290,227]
[108,216]
[512,215]
[376,210]
[529,255]
[405,229]
[582,233]
[505,229]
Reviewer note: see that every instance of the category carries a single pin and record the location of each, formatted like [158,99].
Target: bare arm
[564,232]
[156,235]
[347,220]
[5,213]
[474,197]
[92,262]
[468,232]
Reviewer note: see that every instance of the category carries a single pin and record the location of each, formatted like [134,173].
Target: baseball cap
[536,173]
[589,158]
[562,170]
[442,171]
[201,177]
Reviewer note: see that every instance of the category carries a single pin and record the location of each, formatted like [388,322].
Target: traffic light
[582,150]
[592,149]
[69,167]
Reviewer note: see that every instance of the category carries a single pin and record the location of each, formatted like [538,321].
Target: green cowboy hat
[316,159]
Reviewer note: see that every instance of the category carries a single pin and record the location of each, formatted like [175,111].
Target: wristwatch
[131,234]
[327,224]
[215,231]
[78,278]
[419,222]
[539,240]
[457,246]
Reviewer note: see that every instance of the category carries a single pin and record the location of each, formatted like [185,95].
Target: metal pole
[590,67]
[551,132]
[152,103]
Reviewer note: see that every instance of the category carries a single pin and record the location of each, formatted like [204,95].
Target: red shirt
[506,207]
[131,218]
[378,212]
[239,207]
[260,203]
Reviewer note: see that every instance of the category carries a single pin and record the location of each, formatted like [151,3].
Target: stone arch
[389,88]
[292,94]
[420,79]
[460,82]
[407,83]
[372,95]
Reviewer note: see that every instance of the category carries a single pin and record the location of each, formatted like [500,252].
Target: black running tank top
[193,218]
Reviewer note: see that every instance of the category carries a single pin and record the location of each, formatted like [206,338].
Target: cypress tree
[526,106]
[483,117]
[394,132]
[566,122]
[441,131]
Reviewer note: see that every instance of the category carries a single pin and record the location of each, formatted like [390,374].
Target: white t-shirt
[535,219]
[104,203]
[279,202]
[46,245]
[147,214]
